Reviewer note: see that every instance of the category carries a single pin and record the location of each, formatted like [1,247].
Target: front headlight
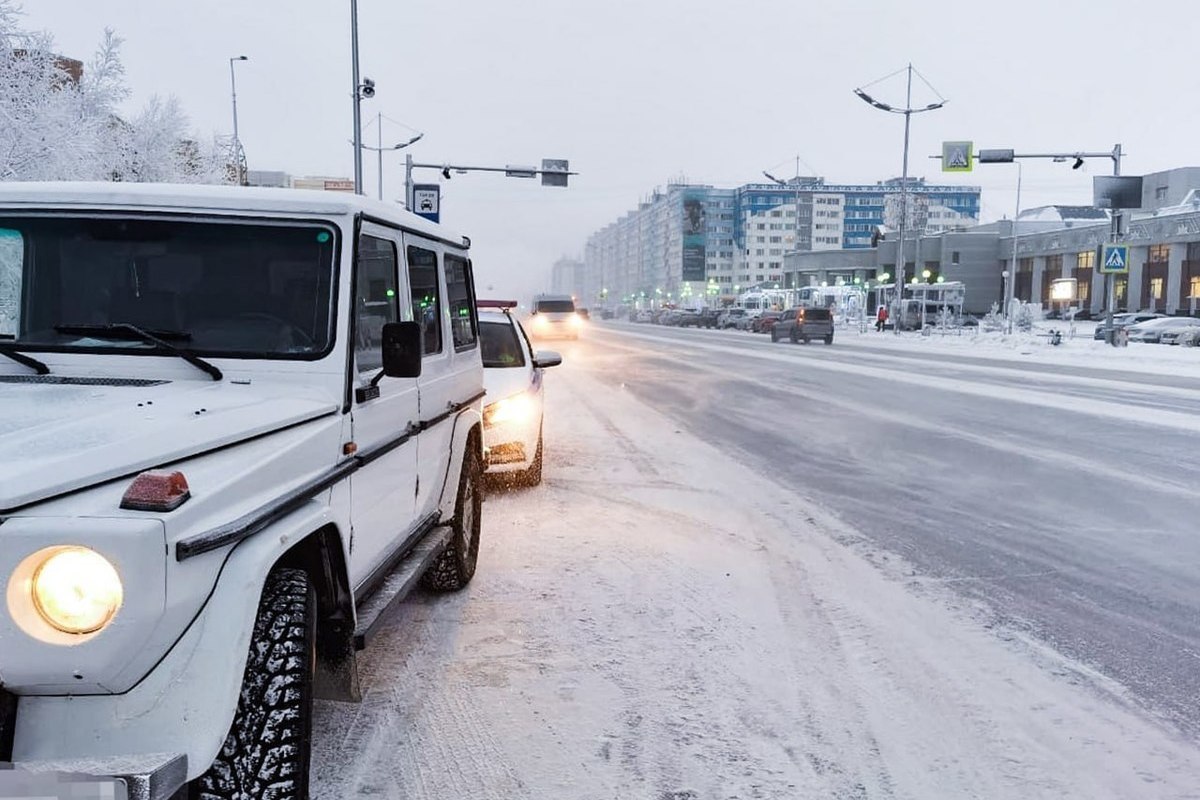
[76,590]
[518,408]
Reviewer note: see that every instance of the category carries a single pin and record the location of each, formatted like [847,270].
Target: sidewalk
[1024,348]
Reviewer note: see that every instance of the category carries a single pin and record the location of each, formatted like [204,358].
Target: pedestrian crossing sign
[957,156]
[1116,258]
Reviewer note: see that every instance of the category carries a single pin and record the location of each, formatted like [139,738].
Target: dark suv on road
[804,324]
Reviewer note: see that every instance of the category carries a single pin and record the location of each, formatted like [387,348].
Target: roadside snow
[657,621]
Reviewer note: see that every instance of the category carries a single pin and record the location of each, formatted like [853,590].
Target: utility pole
[357,97]
[1012,269]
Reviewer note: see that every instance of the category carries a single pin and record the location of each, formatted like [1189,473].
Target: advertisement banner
[694,230]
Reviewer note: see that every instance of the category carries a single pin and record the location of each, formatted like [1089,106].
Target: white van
[236,426]
[555,316]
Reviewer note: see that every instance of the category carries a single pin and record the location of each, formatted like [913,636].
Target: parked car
[1124,321]
[709,317]
[729,317]
[689,319]
[803,325]
[643,316]
[765,321]
[1152,330]
[512,376]
[1185,334]
[215,386]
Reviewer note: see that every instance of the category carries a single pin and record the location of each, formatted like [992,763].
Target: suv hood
[59,436]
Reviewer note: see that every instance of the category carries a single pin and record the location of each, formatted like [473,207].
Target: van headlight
[75,589]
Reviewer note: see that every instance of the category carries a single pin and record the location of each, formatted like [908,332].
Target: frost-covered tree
[56,124]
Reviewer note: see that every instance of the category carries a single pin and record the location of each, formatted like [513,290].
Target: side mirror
[546,358]
[402,349]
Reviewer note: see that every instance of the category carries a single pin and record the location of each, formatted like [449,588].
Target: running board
[399,582]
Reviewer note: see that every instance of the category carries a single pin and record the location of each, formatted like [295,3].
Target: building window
[1160,193]
[1194,287]
[1086,259]
[1156,288]
[1159,253]
[1025,265]
[1121,285]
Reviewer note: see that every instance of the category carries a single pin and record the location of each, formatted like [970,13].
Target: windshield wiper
[124,330]
[21,358]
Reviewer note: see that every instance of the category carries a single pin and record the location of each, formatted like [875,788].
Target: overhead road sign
[957,156]
[1115,259]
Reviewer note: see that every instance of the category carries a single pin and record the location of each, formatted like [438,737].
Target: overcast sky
[639,92]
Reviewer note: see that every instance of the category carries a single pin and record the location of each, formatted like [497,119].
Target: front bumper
[152,776]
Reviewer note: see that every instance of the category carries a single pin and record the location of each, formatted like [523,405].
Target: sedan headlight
[75,589]
[518,408]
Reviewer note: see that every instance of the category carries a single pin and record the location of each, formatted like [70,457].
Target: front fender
[187,702]
[466,424]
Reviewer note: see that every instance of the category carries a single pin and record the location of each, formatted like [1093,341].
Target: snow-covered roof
[208,198]
[1057,213]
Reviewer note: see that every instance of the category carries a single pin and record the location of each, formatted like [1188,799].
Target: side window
[460,297]
[12,260]
[426,298]
[375,299]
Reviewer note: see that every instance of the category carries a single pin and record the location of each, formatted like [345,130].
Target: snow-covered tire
[829,338]
[533,475]
[266,754]
[774,335]
[455,567]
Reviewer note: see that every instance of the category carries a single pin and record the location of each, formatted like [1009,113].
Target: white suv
[236,426]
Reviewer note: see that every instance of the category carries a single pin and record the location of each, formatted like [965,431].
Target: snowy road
[746,576]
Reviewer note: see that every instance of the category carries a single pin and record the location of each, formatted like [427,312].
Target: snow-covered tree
[56,124]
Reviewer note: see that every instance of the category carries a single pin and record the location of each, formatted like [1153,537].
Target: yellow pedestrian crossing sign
[957,156]
[1116,258]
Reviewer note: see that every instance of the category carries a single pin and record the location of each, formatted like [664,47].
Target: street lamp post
[237,141]
[380,149]
[1010,290]
[907,111]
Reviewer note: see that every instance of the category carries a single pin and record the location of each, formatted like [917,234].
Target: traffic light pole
[510,171]
[1118,217]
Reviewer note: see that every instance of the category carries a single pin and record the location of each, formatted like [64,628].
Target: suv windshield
[211,287]
[556,306]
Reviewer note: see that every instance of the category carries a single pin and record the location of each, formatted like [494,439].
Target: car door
[383,490]
[450,370]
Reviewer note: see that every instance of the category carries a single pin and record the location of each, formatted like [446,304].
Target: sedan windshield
[210,287]
[501,347]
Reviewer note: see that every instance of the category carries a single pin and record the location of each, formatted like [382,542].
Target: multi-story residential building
[566,277]
[748,230]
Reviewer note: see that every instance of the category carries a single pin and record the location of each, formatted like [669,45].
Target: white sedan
[512,412]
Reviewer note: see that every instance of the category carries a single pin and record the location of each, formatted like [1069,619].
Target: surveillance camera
[368,87]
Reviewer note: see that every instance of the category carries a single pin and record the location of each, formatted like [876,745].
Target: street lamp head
[240,58]
[1078,163]
[413,140]
[935,106]
[446,173]
[773,179]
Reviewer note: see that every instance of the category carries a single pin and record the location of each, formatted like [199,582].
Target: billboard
[1117,192]
[694,230]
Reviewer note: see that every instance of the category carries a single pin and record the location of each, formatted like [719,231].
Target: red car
[765,321]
